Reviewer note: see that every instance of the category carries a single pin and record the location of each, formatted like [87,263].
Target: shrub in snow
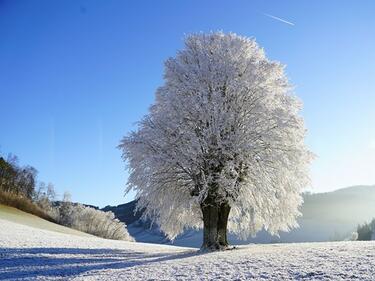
[223,144]
[99,223]
[47,207]
[44,197]
[92,221]
[66,211]
[83,218]
[354,236]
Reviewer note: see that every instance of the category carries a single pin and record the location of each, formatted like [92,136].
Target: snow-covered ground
[28,253]
[330,216]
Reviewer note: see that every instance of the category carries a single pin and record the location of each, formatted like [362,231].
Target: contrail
[279,19]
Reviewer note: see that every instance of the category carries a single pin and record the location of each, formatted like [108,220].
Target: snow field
[28,253]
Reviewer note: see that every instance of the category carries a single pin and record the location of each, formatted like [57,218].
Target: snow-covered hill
[326,217]
[20,217]
[28,253]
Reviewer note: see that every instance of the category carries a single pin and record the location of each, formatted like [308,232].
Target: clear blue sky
[76,75]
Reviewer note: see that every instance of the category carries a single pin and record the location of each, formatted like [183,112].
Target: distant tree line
[366,231]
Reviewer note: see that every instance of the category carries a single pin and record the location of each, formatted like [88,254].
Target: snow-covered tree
[89,220]
[99,223]
[66,210]
[223,146]
[44,198]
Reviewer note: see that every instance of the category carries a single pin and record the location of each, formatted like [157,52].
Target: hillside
[326,217]
[14,215]
[28,253]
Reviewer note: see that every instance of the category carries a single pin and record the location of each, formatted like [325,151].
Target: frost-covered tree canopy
[224,125]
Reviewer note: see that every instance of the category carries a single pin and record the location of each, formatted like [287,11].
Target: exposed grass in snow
[28,253]
[22,203]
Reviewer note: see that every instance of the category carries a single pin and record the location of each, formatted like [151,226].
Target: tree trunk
[215,221]
[222,225]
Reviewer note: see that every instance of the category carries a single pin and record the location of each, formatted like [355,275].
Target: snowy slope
[18,216]
[326,217]
[28,253]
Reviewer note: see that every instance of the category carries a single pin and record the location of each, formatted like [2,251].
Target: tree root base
[216,247]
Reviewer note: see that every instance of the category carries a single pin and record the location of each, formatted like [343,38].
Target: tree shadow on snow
[28,263]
